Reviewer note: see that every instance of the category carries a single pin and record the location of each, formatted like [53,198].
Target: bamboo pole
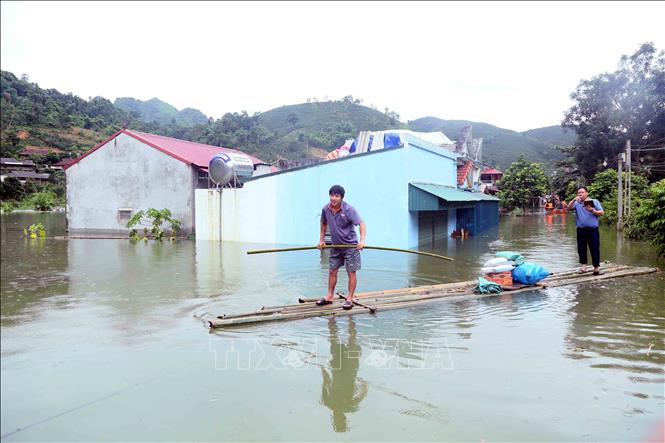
[408,300]
[380,248]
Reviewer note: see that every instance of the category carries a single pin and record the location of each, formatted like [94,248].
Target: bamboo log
[447,289]
[380,248]
[383,303]
[439,293]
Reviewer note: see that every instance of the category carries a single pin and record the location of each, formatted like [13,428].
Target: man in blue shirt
[341,218]
[587,211]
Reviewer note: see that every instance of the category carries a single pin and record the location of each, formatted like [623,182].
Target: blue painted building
[407,195]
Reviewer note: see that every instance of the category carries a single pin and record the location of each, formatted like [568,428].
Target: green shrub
[42,201]
[8,206]
[35,230]
[155,218]
[649,218]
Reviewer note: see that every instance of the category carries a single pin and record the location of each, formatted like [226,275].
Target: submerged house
[131,171]
[406,192]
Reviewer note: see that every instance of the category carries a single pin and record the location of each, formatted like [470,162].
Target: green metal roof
[432,197]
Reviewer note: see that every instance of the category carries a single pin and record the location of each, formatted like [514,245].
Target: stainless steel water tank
[220,168]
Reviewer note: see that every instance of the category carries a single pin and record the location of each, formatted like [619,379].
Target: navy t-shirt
[342,225]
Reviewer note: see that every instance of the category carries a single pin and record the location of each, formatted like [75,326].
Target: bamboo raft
[377,301]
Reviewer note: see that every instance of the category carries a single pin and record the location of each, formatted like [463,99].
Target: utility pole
[629,180]
[620,194]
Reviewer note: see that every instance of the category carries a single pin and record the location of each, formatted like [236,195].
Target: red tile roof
[188,152]
[491,171]
[463,171]
[64,162]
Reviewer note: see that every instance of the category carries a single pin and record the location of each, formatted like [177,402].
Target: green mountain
[502,146]
[308,127]
[155,110]
[553,135]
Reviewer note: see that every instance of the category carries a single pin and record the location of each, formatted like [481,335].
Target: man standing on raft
[341,218]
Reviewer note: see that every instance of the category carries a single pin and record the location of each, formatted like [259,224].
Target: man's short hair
[583,187]
[336,189]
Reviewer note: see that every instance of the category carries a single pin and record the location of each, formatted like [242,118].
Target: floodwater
[106,340]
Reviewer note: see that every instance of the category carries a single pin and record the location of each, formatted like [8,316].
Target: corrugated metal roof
[188,152]
[418,201]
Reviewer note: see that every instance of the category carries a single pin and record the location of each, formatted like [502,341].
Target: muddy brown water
[106,340]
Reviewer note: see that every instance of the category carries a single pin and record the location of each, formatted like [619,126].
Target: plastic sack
[529,273]
[513,256]
[496,262]
[498,268]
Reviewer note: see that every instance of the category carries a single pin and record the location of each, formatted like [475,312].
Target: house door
[432,226]
[465,220]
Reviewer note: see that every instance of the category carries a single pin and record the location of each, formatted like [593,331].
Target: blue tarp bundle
[529,273]
[391,140]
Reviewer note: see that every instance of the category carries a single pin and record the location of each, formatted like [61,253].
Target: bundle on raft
[378,301]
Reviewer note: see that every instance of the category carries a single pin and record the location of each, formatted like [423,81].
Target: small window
[124,214]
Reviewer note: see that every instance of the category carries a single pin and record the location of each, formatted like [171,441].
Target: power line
[660,148]
[649,144]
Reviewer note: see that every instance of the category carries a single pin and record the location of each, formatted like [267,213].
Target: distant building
[36,150]
[11,164]
[131,171]
[25,176]
[489,178]
[62,164]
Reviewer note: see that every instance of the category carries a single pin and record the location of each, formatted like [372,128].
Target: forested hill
[324,125]
[47,118]
[155,110]
[553,135]
[502,146]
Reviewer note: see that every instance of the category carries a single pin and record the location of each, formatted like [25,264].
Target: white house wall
[126,173]
[285,208]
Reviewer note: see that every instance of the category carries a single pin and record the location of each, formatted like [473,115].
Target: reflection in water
[620,330]
[342,390]
[34,271]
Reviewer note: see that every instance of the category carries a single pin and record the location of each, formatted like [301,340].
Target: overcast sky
[513,65]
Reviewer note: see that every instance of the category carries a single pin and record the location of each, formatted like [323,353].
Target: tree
[523,182]
[604,189]
[628,104]
[11,189]
[292,119]
[650,218]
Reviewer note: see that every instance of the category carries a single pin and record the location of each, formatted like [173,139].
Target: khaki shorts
[345,256]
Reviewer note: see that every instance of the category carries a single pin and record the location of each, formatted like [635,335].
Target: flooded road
[106,339]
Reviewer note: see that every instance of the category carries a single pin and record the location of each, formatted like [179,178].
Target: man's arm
[363,231]
[571,205]
[322,236]
[594,211]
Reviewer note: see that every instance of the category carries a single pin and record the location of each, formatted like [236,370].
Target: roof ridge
[139,133]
